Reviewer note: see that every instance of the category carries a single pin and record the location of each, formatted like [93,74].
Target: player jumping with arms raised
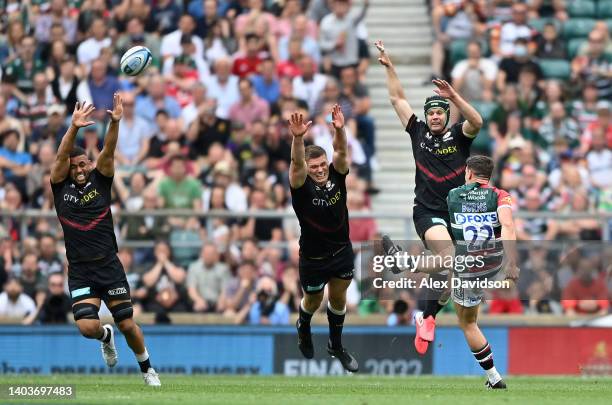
[318,193]
[82,198]
[440,155]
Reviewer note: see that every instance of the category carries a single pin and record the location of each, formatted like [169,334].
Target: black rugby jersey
[323,216]
[86,218]
[440,162]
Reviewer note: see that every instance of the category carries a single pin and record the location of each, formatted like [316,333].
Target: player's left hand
[337,117]
[117,111]
[444,89]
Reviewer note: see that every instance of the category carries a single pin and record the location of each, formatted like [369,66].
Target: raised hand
[297,125]
[337,117]
[444,89]
[383,58]
[117,111]
[81,113]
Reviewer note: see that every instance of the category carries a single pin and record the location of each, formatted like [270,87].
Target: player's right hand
[297,127]
[383,58]
[81,113]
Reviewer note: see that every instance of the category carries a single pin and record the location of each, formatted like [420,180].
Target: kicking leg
[123,316]
[336,311]
[478,344]
[87,320]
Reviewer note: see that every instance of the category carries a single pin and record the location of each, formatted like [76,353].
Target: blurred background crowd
[204,128]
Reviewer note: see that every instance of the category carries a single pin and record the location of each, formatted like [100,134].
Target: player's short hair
[313,152]
[77,151]
[481,166]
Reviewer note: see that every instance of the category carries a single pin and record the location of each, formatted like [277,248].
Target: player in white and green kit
[482,225]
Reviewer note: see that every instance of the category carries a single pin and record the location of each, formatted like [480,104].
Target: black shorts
[103,278]
[424,218]
[315,273]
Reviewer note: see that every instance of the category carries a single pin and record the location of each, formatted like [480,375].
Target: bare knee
[312,302]
[90,329]
[337,303]
[127,326]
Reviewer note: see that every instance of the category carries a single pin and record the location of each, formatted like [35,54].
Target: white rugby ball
[135,60]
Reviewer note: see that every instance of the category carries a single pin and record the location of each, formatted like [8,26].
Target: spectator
[91,49]
[171,42]
[34,111]
[199,103]
[594,66]
[474,77]
[57,305]
[599,161]
[67,88]
[132,149]
[558,125]
[602,122]
[9,122]
[247,64]
[206,130]
[195,69]
[33,282]
[165,283]
[266,84]
[223,87]
[584,110]
[359,97]
[14,163]
[102,87]
[452,20]
[49,261]
[513,30]
[361,229]
[401,315]
[256,14]
[509,105]
[250,107]
[535,228]
[164,16]
[267,308]
[178,190]
[25,66]
[156,100]
[14,303]
[587,292]
[550,46]
[302,32]
[219,41]
[261,228]
[135,34]
[46,158]
[134,278]
[309,85]
[57,14]
[338,36]
[146,227]
[510,67]
[239,289]
[206,279]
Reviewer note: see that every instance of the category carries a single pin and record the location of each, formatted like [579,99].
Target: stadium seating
[581,8]
[573,45]
[604,9]
[555,68]
[578,28]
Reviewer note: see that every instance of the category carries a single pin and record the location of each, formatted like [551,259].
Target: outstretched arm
[473,121]
[297,168]
[396,92]
[80,118]
[106,160]
[340,144]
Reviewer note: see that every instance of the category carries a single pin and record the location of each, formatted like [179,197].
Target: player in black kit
[318,193]
[82,198]
[440,154]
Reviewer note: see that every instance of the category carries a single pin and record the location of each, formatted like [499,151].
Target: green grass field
[227,390]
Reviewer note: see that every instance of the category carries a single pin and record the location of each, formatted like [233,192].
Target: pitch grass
[350,389]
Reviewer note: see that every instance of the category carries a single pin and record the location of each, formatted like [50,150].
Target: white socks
[493,375]
[143,356]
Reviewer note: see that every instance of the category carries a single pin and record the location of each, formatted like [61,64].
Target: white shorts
[471,297]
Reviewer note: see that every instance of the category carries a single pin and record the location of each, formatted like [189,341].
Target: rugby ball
[135,60]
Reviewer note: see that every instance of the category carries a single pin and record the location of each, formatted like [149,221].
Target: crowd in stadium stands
[204,128]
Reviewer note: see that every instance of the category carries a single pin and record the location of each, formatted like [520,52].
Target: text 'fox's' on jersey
[323,215]
[86,218]
[473,210]
[440,162]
